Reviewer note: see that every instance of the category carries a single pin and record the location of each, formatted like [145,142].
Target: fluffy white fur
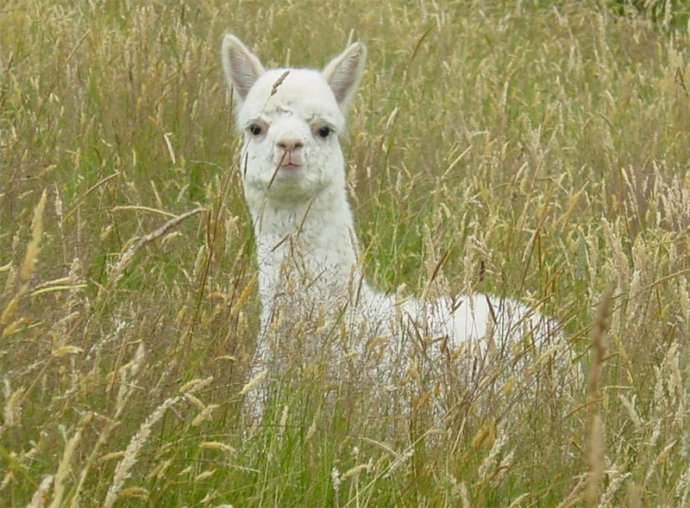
[294,184]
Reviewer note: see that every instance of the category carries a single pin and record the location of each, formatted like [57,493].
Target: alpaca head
[290,120]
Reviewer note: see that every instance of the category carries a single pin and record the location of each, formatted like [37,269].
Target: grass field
[544,147]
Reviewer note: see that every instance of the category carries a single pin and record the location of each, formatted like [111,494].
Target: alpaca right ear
[242,68]
[344,72]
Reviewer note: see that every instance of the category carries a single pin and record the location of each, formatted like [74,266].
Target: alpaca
[294,184]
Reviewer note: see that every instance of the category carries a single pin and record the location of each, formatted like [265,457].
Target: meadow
[532,149]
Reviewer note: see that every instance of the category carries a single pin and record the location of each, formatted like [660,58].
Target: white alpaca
[294,184]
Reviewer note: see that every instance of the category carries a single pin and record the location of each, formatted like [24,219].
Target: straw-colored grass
[535,149]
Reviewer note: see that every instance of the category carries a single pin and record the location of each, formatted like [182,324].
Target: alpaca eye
[324,132]
[255,129]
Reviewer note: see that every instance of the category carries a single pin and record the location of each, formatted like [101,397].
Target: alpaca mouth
[290,166]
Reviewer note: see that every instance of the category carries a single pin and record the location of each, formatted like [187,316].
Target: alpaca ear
[242,68]
[344,72]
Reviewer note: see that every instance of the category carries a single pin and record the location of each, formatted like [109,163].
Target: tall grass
[541,149]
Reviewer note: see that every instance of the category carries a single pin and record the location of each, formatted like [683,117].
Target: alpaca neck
[307,251]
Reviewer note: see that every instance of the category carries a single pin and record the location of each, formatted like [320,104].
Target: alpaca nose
[290,144]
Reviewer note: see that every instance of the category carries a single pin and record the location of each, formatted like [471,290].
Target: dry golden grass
[536,150]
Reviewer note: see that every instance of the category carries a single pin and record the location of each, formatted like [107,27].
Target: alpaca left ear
[344,72]
[242,68]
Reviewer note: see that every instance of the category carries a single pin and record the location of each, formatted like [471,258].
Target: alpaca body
[309,254]
[308,266]
[309,274]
